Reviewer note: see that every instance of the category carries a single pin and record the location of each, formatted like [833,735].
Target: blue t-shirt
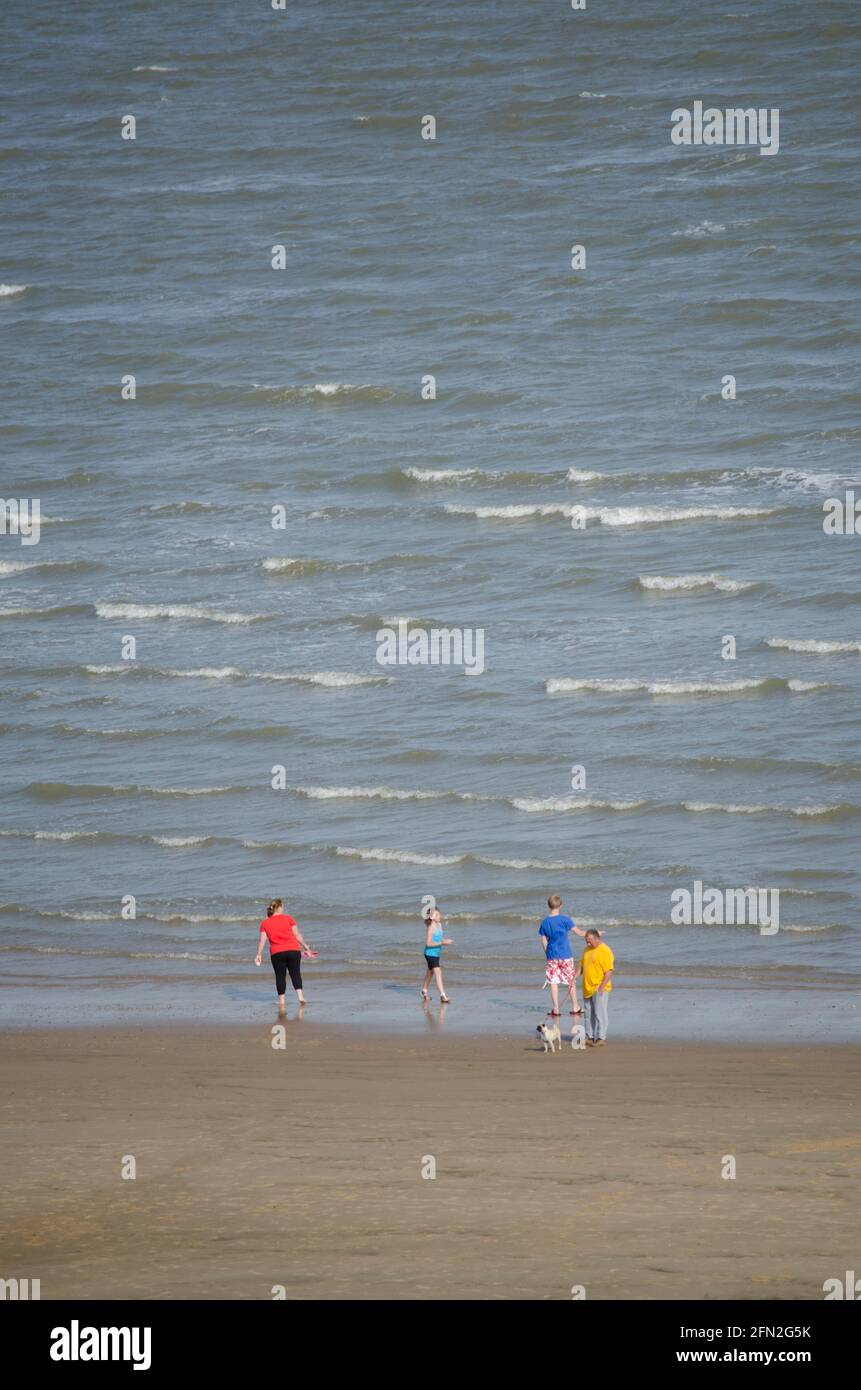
[556,930]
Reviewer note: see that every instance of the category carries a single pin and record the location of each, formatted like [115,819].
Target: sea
[382,313]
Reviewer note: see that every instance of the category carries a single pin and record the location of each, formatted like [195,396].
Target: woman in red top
[286,945]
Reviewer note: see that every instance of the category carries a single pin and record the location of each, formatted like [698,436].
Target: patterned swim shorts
[560,972]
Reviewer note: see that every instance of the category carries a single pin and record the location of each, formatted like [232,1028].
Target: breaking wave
[611,516]
[145,611]
[763,684]
[812,646]
[684,583]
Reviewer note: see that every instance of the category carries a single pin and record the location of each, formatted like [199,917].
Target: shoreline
[249,1029]
[702,1010]
[301,1167]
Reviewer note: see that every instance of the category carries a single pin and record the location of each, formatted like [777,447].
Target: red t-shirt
[279,929]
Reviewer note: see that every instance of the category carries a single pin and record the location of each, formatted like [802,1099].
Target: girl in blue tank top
[434,942]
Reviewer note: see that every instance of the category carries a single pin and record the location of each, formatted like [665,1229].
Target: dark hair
[593,931]
[274,906]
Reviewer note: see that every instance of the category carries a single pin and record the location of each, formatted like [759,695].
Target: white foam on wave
[439,475]
[289,564]
[812,646]
[399,856]
[192,917]
[180,841]
[519,803]
[564,686]
[682,583]
[51,834]
[179,791]
[762,809]
[145,611]
[26,612]
[806,927]
[638,516]
[800,480]
[514,512]
[152,67]
[18,566]
[326,390]
[72,916]
[583,475]
[702,229]
[369,794]
[531,864]
[611,516]
[334,679]
[7,290]
[209,673]
[570,803]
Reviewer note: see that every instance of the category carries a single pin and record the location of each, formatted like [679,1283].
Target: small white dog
[550,1036]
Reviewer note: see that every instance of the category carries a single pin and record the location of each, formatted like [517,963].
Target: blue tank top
[436,948]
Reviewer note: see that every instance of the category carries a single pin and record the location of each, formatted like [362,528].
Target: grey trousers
[596,1015]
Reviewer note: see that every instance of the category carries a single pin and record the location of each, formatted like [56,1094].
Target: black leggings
[282,961]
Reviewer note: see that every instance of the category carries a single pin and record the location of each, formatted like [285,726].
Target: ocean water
[301,388]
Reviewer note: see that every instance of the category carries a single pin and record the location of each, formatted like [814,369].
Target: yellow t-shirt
[596,959]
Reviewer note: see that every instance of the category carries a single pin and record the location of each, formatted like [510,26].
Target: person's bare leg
[439,984]
[282,1004]
[572,995]
[554,996]
[426,982]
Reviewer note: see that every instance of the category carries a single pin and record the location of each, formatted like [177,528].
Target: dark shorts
[431,961]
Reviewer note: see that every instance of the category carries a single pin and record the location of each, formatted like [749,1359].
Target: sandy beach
[302,1167]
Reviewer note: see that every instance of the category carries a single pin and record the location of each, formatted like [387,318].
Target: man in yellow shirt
[596,967]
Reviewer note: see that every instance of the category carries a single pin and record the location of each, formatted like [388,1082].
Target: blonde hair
[274,906]
[554,901]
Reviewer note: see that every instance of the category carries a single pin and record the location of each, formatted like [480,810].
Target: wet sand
[303,1167]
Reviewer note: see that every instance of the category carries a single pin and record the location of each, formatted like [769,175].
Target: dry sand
[302,1167]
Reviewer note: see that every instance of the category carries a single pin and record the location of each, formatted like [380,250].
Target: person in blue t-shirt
[554,932]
